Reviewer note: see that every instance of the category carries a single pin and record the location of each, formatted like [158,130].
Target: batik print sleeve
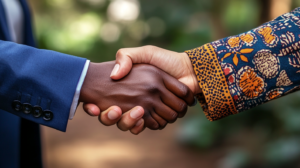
[243,71]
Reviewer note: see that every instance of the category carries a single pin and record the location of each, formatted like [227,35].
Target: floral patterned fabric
[257,66]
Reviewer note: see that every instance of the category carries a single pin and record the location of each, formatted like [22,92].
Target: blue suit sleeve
[38,78]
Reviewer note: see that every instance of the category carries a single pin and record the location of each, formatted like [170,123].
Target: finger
[126,57]
[122,67]
[138,128]
[162,123]
[166,113]
[110,116]
[91,109]
[175,103]
[150,122]
[181,115]
[130,118]
[179,89]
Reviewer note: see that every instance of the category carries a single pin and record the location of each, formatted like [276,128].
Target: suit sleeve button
[17,105]
[37,111]
[27,108]
[47,115]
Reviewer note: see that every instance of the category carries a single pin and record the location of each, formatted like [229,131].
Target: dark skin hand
[163,98]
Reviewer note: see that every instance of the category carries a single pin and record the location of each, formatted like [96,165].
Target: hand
[113,115]
[175,64]
[157,57]
[145,86]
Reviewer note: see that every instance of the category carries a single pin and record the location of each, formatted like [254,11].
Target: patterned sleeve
[243,71]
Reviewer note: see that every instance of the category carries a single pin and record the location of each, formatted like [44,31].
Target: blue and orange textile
[243,71]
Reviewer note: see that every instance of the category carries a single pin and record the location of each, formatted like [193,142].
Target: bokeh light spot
[139,30]
[110,32]
[88,25]
[123,10]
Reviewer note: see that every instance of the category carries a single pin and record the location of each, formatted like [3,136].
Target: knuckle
[120,52]
[172,116]
[103,122]
[151,123]
[154,126]
[172,121]
[163,125]
[149,47]
[134,132]
[152,88]
[122,127]
[184,91]
[183,108]
[147,103]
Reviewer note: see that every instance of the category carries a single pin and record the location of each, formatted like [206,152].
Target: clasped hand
[150,96]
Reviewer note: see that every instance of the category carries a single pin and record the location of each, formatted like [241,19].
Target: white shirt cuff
[78,88]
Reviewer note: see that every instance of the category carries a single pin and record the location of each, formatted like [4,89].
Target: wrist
[97,77]
[87,86]
[83,91]
[195,85]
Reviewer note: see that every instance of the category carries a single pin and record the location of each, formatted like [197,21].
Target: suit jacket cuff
[78,89]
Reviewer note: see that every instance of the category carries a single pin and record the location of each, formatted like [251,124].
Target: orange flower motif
[234,42]
[248,38]
[273,94]
[235,58]
[250,83]
[266,32]
[234,45]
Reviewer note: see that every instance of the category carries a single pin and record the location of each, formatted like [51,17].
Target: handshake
[145,87]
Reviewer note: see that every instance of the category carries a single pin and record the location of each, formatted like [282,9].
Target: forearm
[240,72]
[40,78]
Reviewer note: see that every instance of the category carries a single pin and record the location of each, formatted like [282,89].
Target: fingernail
[90,112]
[112,115]
[136,113]
[139,123]
[115,70]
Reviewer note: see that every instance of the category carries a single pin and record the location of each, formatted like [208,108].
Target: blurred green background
[266,136]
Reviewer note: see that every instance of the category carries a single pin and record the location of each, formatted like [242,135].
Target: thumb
[128,56]
[123,65]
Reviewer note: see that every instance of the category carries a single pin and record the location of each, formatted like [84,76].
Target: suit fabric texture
[33,78]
